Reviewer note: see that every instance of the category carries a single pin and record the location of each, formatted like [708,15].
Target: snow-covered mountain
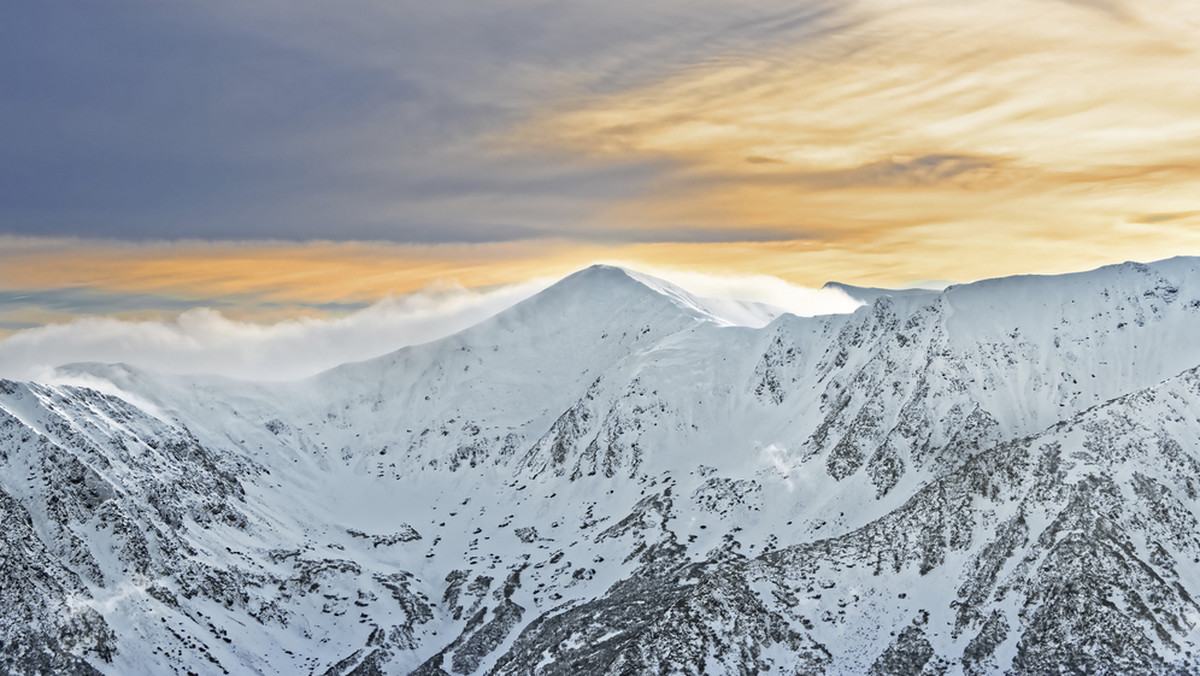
[615,476]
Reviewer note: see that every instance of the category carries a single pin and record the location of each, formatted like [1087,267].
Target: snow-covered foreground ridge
[610,477]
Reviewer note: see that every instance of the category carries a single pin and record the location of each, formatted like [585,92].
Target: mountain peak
[594,284]
[598,273]
[603,269]
[608,279]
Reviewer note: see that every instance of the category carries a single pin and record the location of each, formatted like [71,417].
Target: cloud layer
[271,158]
[361,120]
[204,341]
[925,126]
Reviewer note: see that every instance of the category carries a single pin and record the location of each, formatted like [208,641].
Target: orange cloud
[316,272]
[1013,137]
[271,281]
[921,140]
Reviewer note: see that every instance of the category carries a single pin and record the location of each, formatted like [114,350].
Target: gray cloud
[911,172]
[84,300]
[1166,217]
[351,120]
[699,234]
[75,302]
[17,325]
[923,171]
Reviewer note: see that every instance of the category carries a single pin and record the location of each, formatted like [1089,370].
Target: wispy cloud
[203,340]
[84,300]
[918,123]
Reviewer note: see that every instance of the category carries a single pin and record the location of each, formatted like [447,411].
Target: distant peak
[604,267]
[611,281]
[600,271]
[602,278]
[598,279]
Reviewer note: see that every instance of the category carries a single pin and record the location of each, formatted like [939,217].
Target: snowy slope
[617,476]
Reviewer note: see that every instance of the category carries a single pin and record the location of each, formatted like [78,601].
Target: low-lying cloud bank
[204,341]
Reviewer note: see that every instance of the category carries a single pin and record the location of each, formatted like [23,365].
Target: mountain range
[618,477]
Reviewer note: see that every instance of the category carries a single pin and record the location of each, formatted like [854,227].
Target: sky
[273,162]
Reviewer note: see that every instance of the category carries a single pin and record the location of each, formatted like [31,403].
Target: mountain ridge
[618,485]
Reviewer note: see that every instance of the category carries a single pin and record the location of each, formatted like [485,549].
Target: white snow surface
[563,412]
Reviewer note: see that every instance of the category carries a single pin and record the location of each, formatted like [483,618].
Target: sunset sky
[274,159]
